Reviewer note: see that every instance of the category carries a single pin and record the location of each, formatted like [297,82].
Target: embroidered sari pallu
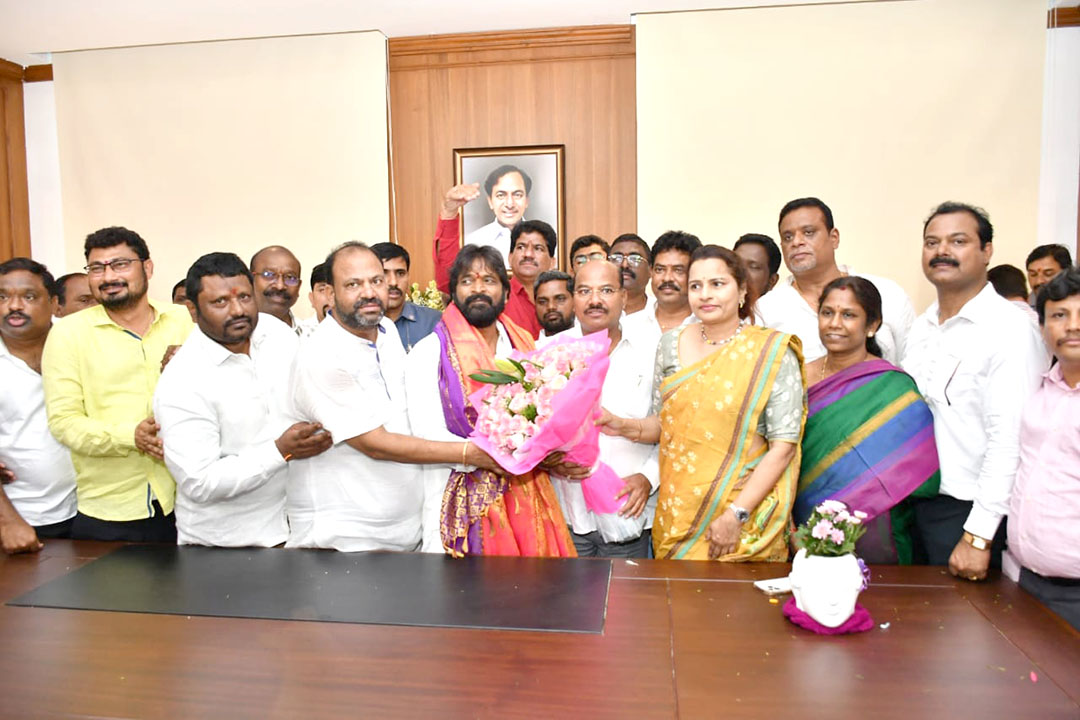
[869,443]
[484,513]
[709,446]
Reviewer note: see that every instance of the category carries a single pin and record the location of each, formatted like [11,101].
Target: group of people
[734,402]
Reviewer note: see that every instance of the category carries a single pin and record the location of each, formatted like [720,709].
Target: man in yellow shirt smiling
[99,368]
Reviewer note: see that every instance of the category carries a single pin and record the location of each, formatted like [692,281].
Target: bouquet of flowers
[544,401]
[831,530]
[428,297]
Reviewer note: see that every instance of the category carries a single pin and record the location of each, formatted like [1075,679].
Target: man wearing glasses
[99,369]
[277,285]
[586,248]
[634,259]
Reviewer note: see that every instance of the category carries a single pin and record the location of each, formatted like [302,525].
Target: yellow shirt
[99,381]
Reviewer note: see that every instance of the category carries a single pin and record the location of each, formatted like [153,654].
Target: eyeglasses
[582,259]
[118,265]
[633,258]
[290,279]
[605,292]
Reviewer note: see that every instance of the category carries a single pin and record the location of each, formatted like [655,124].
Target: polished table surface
[682,639]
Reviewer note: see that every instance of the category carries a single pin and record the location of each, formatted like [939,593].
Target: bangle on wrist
[287,456]
[464,450]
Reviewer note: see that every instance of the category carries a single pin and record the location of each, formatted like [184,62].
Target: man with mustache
[554,303]
[599,298]
[977,359]
[468,510]
[277,285]
[320,297]
[634,258]
[365,492]
[532,251]
[414,322]
[1044,513]
[670,309]
[100,367]
[808,240]
[37,480]
[72,294]
[222,414]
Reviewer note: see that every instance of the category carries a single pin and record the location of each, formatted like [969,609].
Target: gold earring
[870,334]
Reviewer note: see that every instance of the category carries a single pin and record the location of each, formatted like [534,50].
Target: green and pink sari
[869,443]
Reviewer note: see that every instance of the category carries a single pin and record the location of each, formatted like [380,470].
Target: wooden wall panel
[569,86]
[14,198]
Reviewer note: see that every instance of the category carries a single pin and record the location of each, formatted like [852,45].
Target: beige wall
[226,146]
[881,109]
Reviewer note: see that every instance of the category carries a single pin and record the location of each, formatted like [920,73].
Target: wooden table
[682,639]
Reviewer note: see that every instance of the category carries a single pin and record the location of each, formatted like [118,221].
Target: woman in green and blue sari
[869,439]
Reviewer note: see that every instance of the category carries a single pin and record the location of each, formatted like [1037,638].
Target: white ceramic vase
[826,588]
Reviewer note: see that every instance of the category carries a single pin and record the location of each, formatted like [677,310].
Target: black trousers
[160,528]
[55,531]
[1062,595]
[939,525]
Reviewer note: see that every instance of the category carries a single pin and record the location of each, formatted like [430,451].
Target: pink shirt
[1044,511]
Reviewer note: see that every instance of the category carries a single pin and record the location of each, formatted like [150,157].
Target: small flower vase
[826,587]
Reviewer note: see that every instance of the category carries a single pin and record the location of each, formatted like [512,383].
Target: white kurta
[343,499]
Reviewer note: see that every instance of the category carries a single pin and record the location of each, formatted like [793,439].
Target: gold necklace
[823,366]
[705,338]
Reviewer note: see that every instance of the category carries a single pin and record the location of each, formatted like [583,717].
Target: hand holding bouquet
[545,401]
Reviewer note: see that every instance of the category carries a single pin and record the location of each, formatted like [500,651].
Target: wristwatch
[741,514]
[976,542]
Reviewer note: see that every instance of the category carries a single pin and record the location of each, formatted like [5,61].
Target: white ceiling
[31,29]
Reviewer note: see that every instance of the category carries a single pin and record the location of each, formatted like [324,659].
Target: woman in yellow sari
[730,408]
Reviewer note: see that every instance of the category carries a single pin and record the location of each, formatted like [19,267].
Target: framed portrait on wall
[516,183]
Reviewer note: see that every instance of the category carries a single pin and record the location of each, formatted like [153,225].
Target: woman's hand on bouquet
[723,534]
[617,426]
[636,489]
[479,458]
[556,463]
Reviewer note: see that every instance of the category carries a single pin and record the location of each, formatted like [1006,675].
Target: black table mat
[561,595]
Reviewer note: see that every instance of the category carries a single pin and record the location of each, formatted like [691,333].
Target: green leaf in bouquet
[529,412]
[493,377]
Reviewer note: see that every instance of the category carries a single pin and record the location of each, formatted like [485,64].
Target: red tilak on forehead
[234,292]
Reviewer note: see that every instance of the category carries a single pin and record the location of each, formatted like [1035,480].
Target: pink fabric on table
[860,620]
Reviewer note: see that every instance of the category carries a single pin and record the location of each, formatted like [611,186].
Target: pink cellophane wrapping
[570,429]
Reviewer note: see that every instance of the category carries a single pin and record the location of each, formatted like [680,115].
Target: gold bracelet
[464,450]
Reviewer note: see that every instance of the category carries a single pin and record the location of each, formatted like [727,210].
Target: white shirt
[44,489]
[304,328]
[220,413]
[976,371]
[784,309]
[343,499]
[427,421]
[646,327]
[495,235]
[627,392]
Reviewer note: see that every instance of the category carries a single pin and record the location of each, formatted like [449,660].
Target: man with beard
[37,481]
[277,285]
[634,258]
[365,492]
[976,359]
[100,367]
[671,308]
[222,414]
[413,322]
[468,510]
[72,294]
[808,240]
[554,304]
[599,297]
